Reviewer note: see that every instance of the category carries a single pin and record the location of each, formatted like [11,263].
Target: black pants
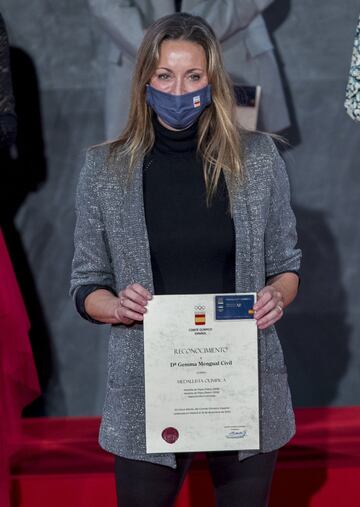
[237,483]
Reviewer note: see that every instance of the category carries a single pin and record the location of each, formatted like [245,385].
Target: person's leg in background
[244,483]
[140,483]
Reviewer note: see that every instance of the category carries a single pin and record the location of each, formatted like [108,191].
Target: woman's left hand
[269,307]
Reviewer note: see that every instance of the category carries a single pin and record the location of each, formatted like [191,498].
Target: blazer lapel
[243,234]
[135,238]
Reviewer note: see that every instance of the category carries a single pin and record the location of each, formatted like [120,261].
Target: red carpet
[61,465]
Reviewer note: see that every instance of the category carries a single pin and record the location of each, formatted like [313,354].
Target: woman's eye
[163,76]
[194,77]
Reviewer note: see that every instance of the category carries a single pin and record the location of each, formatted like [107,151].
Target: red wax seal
[170,435]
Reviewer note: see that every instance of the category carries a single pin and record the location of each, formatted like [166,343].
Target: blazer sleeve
[92,261]
[227,17]
[281,254]
[122,22]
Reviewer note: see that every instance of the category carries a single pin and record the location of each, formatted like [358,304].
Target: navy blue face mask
[178,111]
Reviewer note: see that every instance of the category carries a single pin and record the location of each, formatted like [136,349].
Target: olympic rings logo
[199,308]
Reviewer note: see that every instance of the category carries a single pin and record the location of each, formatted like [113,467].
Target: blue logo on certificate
[236,306]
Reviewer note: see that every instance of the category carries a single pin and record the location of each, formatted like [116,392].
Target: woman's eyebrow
[195,69]
[164,68]
[198,69]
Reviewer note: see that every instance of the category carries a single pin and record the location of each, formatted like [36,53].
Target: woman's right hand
[125,308]
[131,304]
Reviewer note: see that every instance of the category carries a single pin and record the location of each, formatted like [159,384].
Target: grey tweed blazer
[111,248]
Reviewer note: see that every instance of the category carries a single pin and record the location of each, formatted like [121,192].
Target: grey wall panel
[321,331]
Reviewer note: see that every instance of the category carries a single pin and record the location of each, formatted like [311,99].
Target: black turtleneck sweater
[192,245]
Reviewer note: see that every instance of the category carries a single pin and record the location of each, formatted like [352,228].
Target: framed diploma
[201,373]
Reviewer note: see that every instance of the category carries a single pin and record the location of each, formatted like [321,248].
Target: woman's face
[181,68]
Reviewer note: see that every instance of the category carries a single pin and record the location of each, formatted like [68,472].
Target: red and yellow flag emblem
[199,319]
[196,101]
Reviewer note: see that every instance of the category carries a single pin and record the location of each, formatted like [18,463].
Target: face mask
[178,111]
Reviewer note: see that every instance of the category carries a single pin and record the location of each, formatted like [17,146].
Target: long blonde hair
[218,135]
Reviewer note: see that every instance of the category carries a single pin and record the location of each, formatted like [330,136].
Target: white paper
[201,380]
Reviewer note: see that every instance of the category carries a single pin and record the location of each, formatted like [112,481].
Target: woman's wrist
[101,305]
[125,308]
[287,285]
[279,291]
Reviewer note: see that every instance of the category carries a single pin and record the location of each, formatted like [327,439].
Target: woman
[183,202]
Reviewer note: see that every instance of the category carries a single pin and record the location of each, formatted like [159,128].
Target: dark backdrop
[58,60]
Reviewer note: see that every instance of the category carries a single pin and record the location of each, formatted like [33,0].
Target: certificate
[201,373]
